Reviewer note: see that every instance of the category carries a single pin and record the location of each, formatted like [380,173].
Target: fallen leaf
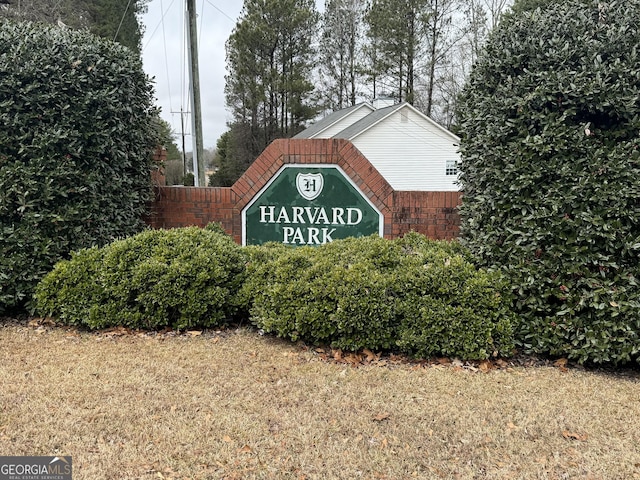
[195,333]
[227,439]
[574,436]
[35,322]
[512,427]
[370,355]
[353,358]
[561,364]
[456,362]
[381,417]
[245,449]
[501,363]
[485,366]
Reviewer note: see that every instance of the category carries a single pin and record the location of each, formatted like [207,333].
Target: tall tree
[270,57]
[396,31]
[443,33]
[118,20]
[340,53]
[421,51]
[459,41]
[231,158]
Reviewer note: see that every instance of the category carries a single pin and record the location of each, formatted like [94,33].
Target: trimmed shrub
[76,137]
[181,278]
[551,174]
[450,308]
[340,293]
[415,295]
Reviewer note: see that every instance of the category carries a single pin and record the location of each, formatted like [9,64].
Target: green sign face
[309,205]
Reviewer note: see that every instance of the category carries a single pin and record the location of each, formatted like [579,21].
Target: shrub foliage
[551,174]
[412,295]
[181,278]
[76,135]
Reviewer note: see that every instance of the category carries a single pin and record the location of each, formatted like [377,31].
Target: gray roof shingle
[367,121]
[327,121]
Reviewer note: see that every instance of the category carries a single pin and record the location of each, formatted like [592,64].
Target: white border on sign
[307,165]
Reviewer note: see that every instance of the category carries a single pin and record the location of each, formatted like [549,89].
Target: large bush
[76,135]
[448,306]
[551,174]
[412,295]
[181,278]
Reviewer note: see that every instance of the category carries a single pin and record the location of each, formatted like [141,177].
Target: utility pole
[196,115]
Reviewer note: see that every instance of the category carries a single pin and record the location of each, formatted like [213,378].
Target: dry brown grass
[234,405]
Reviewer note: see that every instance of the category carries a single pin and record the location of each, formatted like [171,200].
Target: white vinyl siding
[410,152]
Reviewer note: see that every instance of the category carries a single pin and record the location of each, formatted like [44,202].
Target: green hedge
[181,278]
[550,122]
[411,295]
[76,138]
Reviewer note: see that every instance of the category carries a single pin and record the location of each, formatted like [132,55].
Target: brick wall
[184,206]
[434,214]
[431,213]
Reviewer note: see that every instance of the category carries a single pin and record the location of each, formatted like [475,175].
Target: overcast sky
[164,57]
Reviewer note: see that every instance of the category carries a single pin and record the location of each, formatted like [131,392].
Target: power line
[166,56]
[122,20]
[201,21]
[223,13]
[160,23]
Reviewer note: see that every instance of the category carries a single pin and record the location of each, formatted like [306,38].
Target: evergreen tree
[232,156]
[270,58]
[340,53]
[396,31]
[118,20]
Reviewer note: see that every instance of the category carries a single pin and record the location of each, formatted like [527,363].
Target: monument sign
[309,205]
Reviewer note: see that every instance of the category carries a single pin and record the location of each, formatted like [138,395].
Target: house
[411,151]
[370,168]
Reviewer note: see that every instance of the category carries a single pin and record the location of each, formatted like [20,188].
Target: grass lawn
[236,405]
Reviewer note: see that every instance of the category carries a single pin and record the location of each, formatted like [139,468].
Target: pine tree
[396,31]
[270,58]
[340,53]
